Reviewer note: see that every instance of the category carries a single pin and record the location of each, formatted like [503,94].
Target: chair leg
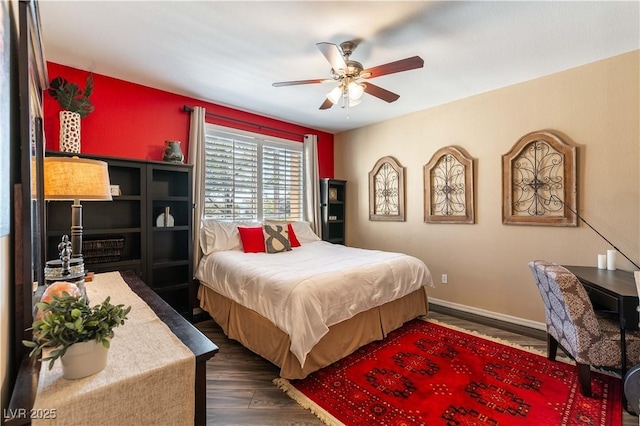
[552,347]
[584,377]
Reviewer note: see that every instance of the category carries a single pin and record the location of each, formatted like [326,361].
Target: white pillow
[216,235]
[303,232]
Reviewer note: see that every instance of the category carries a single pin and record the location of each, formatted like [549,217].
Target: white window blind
[250,178]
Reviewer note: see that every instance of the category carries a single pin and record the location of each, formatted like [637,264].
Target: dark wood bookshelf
[332,203]
[161,256]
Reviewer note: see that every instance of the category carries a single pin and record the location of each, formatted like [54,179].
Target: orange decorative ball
[58,289]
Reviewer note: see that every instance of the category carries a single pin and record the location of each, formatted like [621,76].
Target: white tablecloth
[149,378]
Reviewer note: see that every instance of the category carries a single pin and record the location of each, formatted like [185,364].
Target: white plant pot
[69,131]
[84,359]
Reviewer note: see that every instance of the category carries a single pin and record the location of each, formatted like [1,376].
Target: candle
[611,260]
[602,261]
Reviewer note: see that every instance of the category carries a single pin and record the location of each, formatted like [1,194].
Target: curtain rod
[259,126]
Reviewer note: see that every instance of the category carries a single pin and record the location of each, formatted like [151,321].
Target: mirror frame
[29,199]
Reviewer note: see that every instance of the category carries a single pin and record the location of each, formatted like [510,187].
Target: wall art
[448,187]
[386,191]
[539,181]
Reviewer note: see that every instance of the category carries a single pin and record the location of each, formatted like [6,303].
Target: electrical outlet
[444,278]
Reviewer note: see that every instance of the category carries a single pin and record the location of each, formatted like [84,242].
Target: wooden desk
[614,291]
[24,392]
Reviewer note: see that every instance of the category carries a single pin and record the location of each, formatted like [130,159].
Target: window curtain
[197,158]
[312,183]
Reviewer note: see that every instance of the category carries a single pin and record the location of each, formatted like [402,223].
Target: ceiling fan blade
[298,82]
[333,55]
[326,104]
[381,93]
[393,67]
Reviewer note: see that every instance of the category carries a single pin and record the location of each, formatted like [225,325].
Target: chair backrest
[569,313]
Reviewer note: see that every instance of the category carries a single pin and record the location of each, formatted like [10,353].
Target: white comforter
[306,290]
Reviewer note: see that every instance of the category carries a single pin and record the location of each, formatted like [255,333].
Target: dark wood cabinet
[169,242]
[124,234]
[332,199]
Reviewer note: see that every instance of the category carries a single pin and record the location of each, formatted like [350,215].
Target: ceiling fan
[352,75]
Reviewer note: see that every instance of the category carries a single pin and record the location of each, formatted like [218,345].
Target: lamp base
[76,229]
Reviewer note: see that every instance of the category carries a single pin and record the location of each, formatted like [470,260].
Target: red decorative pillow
[252,239]
[292,237]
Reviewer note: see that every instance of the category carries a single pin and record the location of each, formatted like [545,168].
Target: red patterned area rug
[430,374]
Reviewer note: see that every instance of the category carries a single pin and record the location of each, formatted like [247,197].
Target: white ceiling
[230,52]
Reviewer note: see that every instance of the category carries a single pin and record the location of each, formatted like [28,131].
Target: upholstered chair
[588,337]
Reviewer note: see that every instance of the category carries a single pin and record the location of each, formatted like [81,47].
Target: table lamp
[76,179]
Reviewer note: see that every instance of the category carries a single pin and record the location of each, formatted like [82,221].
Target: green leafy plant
[66,320]
[71,97]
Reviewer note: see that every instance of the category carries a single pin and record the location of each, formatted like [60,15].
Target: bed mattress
[305,291]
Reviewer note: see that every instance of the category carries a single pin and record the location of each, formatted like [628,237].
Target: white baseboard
[489,314]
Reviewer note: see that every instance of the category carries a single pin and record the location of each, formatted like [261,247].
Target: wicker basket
[103,250]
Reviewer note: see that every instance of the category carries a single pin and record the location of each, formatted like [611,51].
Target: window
[251,178]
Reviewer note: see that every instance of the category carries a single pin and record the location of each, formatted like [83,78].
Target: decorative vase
[69,131]
[172,152]
[84,359]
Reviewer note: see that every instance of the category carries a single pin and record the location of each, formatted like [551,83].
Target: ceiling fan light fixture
[354,102]
[335,94]
[350,75]
[356,90]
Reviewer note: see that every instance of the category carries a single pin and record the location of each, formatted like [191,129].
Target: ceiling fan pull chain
[346,100]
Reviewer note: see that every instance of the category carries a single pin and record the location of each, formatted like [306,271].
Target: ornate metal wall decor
[386,190]
[448,187]
[539,182]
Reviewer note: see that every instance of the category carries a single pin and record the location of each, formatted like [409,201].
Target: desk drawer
[601,300]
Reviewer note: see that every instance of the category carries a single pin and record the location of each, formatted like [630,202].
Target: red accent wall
[134,121]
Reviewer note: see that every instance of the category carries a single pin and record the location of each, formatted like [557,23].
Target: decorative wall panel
[448,187]
[386,191]
[539,181]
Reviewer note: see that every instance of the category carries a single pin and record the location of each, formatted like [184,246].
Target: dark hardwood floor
[240,389]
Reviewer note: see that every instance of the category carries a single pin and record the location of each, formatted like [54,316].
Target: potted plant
[78,333]
[71,97]
[76,105]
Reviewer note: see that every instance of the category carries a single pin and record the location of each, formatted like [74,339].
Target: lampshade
[351,93]
[335,94]
[355,91]
[76,179]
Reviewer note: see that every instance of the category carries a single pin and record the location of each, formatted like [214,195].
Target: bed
[307,307]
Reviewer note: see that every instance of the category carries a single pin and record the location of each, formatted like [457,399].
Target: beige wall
[595,107]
